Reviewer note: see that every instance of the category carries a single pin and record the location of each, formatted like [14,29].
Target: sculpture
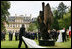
[45,19]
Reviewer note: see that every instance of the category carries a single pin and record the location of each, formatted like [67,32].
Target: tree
[62,18]
[61,9]
[5,5]
[66,21]
[55,24]
[32,27]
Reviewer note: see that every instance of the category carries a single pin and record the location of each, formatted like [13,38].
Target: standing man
[1,35]
[64,35]
[22,33]
[9,35]
[16,35]
[4,34]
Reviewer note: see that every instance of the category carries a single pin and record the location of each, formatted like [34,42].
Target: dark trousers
[2,36]
[39,36]
[10,37]
[63,37]
[20,42]
[67,37]
[16,38]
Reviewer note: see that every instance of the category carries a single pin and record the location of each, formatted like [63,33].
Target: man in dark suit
[16,35]
[64,35]
[22,33]
[10,35]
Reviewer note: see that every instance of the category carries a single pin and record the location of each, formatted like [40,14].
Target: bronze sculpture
[45,19]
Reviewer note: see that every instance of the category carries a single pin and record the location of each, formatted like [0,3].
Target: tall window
[15,21]
[8,25]
[13,25]
[18,25]
[13,31]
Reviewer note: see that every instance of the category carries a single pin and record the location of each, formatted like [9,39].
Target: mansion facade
[15,22]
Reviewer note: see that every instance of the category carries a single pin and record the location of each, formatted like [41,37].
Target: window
[18,25]
[13,25]
[8,25]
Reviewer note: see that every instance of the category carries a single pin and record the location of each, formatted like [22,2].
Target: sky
[32,7]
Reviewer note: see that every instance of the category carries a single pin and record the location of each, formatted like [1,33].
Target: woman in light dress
[60,36]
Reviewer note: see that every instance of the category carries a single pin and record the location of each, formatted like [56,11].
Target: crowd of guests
[31,35]
[53,34]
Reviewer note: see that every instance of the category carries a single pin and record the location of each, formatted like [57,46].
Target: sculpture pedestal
[46,42]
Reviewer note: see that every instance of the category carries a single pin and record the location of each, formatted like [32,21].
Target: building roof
[13,18]
[24,18]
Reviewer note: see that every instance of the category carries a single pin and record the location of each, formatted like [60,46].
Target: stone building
[15,22]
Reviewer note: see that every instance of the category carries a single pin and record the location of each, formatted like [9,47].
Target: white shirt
[62,31]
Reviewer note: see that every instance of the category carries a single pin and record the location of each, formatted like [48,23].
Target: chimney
[15,14]
[30,15]
[43,4]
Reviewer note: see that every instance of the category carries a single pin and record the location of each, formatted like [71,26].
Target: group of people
[58,35]
[63,35]
[18,36]
[31,35]
[11,35]
[52,34]
[3,33]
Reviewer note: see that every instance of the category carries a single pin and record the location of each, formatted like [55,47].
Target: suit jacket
[22,32]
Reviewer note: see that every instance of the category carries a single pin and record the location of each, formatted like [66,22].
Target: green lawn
[14,44]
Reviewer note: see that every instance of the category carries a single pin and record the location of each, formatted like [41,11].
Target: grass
[62,44]
[14,44]
[10,44]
